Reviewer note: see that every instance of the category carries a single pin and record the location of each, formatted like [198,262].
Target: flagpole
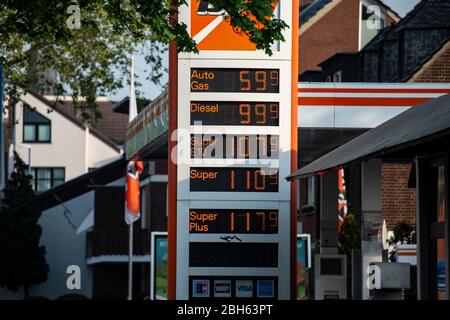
[131,115]
[130,261]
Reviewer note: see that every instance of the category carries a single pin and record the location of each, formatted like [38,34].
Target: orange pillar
[172,175]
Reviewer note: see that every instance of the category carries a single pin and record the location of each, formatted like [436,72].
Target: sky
[151,91]
[402,7]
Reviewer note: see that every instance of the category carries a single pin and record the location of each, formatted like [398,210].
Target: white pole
[130,262]
[131,115]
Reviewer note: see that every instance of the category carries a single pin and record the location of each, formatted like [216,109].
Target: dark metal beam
[423,228]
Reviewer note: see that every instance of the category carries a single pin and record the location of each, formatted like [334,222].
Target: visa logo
[244,288]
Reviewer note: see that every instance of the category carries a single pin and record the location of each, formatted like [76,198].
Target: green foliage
[404,233]
[350,237]
[244,14]
[91,60]
[22,259]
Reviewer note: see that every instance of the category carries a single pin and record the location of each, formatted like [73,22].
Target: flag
[342,200]
[132,112]
[134,168]
[132,192]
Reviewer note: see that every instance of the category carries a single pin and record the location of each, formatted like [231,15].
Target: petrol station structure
[232,215]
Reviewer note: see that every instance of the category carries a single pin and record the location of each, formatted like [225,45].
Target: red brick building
[416,49]
[330,26]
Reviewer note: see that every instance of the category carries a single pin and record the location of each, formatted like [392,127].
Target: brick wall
[337,31]
[437,69]
[398,202]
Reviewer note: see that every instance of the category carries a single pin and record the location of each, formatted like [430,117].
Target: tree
[86,41]
[404,233]
[349,239]
[22,259]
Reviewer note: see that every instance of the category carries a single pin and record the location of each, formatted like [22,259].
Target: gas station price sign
[231,222]
[228,113]
[226,146]
[260,221]
[235,80]
[233,179]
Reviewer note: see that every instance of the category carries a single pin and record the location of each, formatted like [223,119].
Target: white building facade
[58,145]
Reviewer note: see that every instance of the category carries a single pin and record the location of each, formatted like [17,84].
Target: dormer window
[36,127]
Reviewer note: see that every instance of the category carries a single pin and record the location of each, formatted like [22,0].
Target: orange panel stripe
[407,253]
[372,90]
[360,102]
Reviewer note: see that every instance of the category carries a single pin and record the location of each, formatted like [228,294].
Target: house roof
[82,184]
[312,10]
[426,14]
[430,14]
[338,55]
[111,124]
[317,5]
[123,106]
[431,122]
[67,110]
[427,58]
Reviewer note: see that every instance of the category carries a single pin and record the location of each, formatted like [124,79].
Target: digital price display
[233,221]
[209,113]
[235,80]
[221,146]
[243,255]
[233,179]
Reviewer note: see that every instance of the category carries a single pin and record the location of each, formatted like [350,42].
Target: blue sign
[441,276]
[265,288]
[244,288]
[200,288]
[303,263]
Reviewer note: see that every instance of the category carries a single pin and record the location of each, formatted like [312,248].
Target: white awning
[118,258]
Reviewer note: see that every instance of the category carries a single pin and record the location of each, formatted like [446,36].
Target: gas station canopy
[425,122]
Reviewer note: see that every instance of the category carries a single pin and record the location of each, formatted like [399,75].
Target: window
[36,127]
[47,178]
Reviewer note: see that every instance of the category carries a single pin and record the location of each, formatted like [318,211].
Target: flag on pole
[342,200]
[134,168]
[132,193]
